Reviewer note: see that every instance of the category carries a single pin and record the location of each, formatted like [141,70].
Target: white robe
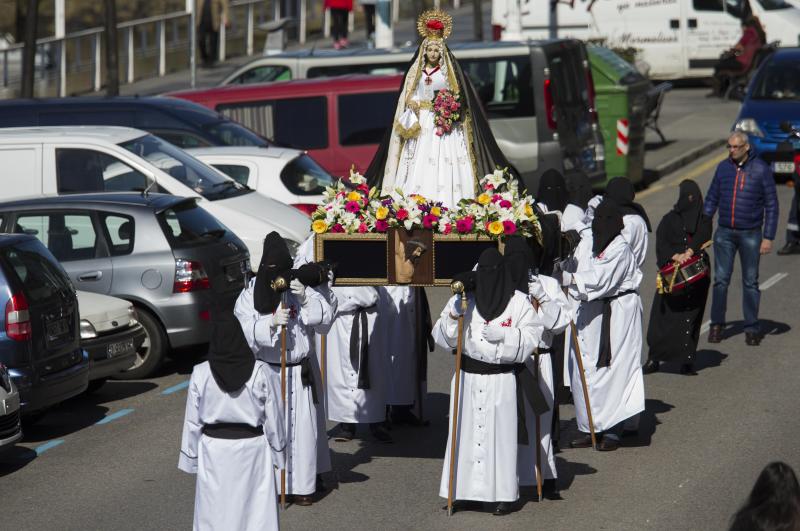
[616,392]
[397,328]
[436,167]
[635,233]
[235,478]
[308,453]
[486,464]
[345,401]
[552,317]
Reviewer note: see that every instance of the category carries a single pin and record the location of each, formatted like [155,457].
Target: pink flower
[352,207]
[465,225]
[363,187]
[439,131]
[448,228]
[362,228]
[381,225]
[401,214]
[509,227]
[429,221]
[505,203]
[446,114]
[496,198]
[489,186]
[455,106]
[337,228]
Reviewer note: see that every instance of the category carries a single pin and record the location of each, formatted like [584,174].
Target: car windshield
[303,176]
[228,133]
[203,179]
[778,81]
[771,5]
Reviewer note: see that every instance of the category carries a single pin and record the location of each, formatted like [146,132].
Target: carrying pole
[457,288]
[579,361]
[538,445]
[279,285]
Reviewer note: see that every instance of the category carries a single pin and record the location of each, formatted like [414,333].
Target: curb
[686,158]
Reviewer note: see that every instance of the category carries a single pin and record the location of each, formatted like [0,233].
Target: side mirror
[786,126]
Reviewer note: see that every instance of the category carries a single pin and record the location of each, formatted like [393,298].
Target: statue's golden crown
[434,24]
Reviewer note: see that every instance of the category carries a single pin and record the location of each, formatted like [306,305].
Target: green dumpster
[620,98]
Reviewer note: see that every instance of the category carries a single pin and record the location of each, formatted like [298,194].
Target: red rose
[401,214]
[435,25]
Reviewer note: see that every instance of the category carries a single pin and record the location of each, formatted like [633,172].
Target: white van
[63,160]
[676,38]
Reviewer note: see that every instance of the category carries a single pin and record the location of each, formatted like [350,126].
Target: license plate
[10,404]
[120,348]
[783,167]
[57,328]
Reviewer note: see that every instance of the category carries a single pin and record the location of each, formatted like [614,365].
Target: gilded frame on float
[387,263]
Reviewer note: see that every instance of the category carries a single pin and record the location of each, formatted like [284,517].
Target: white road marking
[771,281]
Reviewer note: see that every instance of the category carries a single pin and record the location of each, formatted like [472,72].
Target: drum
[673,278]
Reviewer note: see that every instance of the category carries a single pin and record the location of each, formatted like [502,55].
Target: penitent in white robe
[346,402]
[553,316]
[486,451]
[307,445]
[235,478]
[396,330]
[616,392]
[635,233]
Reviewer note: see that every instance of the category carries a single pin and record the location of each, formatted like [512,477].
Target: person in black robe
[675,318]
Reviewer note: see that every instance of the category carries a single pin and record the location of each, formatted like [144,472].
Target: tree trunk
[477,19]
[112,50]
[29,51]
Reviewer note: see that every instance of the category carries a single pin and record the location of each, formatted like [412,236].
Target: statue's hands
[413,105]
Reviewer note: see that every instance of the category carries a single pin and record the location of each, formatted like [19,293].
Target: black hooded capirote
[550,251]
[229,355]
[488,156]
[579,188]
[621,190]
[275,261]
[493,285]
[519,259]
[684,227]
[606,225]
[553,190]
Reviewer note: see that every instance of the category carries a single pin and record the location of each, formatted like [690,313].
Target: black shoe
[346,432]
[302,501]
[715,333]
[403,415]
[790,248]
[550,490]
[321,487]
[584,441]
[608,444]
[380,433]
[650,366]
[752,339]
[503,508]
[688,369]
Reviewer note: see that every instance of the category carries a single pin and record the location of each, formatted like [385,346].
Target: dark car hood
[771,111]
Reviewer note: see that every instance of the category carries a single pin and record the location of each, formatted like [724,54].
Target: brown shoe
[608,444]
[715,333]
[584,441]
[302,501]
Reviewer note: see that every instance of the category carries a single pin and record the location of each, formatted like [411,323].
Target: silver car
[10,428]
[169,257]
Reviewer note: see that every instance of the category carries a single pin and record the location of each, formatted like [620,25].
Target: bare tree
[29,51]
[112,50]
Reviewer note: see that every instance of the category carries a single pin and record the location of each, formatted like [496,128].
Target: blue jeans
[726,243]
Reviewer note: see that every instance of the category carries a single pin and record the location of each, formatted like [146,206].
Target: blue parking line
[175,388]
[114,416]
[42,448]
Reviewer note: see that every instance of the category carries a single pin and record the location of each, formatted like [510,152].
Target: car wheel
[151,354]
[95,385]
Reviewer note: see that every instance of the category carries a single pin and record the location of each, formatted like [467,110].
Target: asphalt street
[108,461]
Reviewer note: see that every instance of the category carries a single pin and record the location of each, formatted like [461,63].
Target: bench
[277,34]
[655,98]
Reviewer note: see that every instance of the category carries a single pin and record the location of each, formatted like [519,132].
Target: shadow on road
[768,328]
[648,421]
[703,359]
[15,458]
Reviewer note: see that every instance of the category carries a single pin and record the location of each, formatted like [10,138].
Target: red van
[339,121]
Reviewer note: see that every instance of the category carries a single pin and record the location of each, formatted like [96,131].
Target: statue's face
[433,53]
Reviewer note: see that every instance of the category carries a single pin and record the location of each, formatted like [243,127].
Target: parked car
[39,337]
[773,97]
[163,253]
[286,175]
[538,96]
[10,425]
[111,336]
[66,160]
[181,123]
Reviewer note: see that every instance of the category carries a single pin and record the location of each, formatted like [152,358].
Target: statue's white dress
[436,167]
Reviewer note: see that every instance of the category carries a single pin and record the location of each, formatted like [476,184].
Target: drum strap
[604,358]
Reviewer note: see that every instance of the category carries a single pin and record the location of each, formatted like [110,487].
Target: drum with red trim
[692,270]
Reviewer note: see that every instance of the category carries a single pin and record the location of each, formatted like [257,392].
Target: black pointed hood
[229,355]
[606,225]
[690,205]
[493,285]
[621,190]
[275,261]
[553,190]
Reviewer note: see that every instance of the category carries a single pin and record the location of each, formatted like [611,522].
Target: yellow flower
[484,199]
[319,226]
[436,211]
[528,210]
[381,212]
[419,199]
[354,196]
[496,227]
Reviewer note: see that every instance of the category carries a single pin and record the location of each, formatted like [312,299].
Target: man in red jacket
[743,189]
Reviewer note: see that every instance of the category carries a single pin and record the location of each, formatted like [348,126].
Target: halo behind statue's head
[434,24]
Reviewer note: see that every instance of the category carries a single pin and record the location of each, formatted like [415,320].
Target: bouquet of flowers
[446,111]
[346,207]
[411,212]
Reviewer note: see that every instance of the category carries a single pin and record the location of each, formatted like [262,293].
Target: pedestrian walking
[233,434]
[743,190]
[793,225]
[774,502]
[340,11]
[213,13]
[676,315]
[264,313]
[500,333]
[369,19]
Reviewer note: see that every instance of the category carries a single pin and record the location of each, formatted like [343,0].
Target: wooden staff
[579,360]
[538,463]
[280,285]
[457,287]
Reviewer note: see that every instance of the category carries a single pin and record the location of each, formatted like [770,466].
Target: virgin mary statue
[416,155]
